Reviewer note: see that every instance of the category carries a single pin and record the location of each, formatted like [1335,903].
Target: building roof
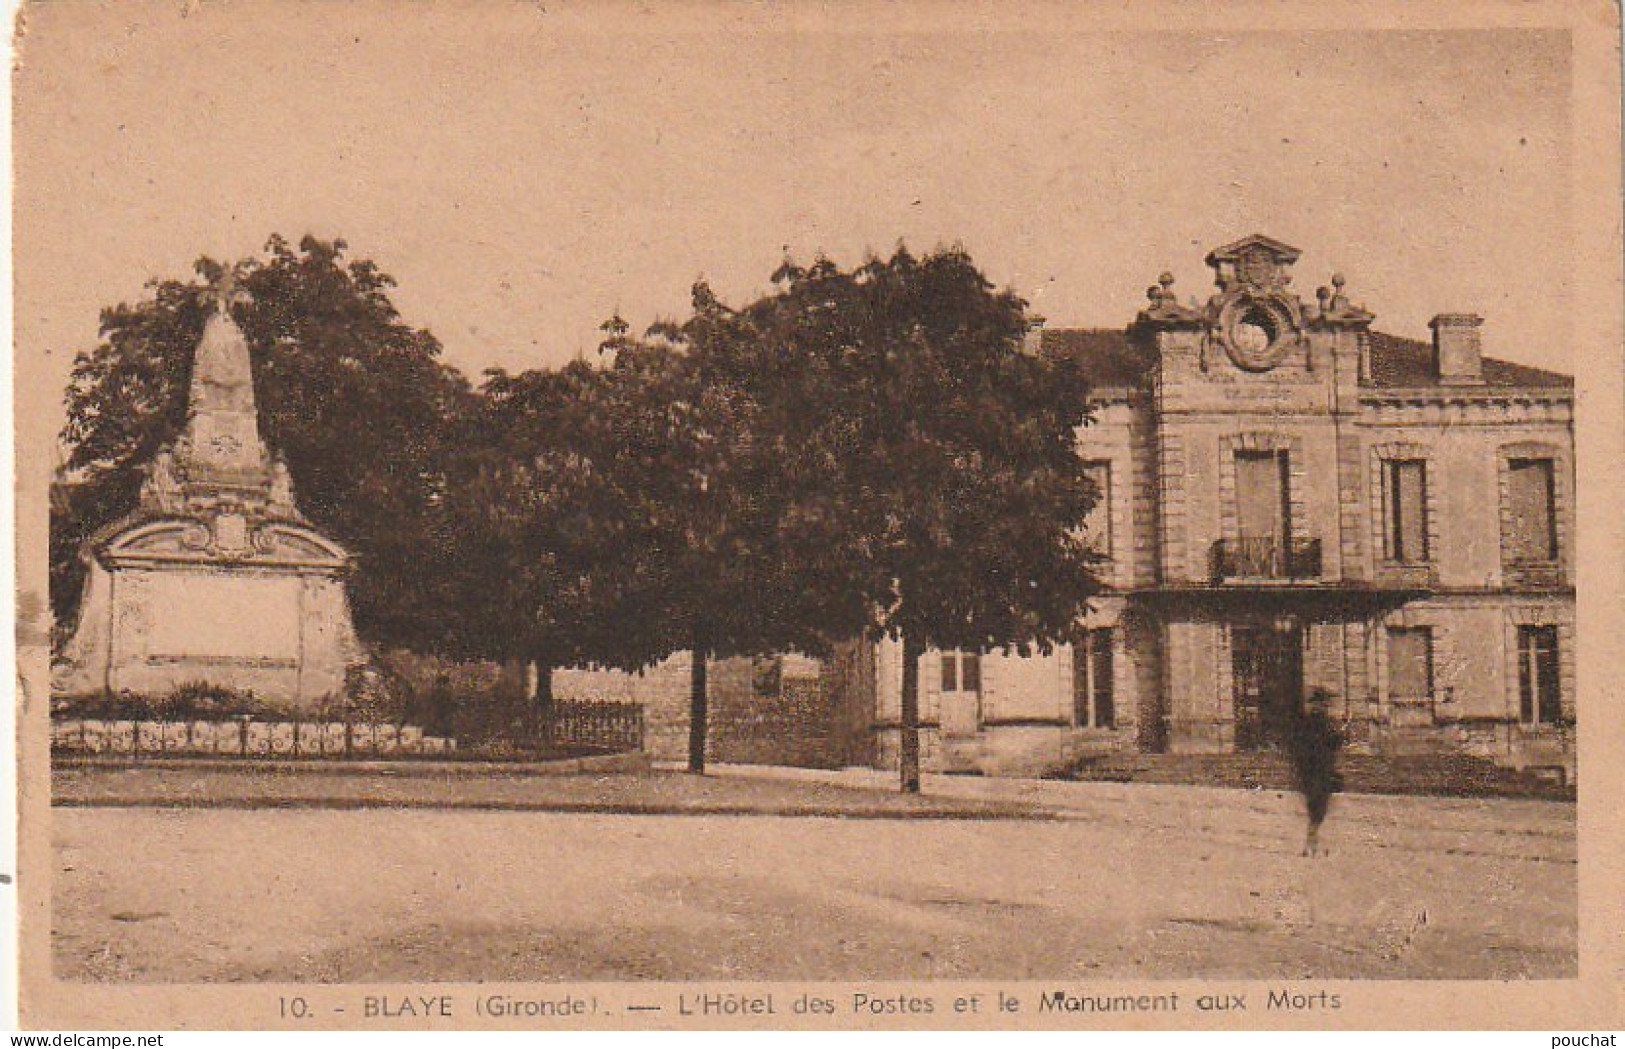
[1114,360]
[1400,363]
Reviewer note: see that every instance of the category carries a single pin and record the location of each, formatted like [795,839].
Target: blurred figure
[1311,741]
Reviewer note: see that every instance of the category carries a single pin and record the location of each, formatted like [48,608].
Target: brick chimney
[1456,353]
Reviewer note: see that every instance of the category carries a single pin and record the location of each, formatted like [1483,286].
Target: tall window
[961,672]
[1262,506]
[1410,664]
[1093,704]
[1532,498]
[1097,526]
[1261,546]
[1407,511]
[1539,690]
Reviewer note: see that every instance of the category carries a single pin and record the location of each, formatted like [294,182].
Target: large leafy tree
[864,451]
[615,515]
[545,520]
[950,489]
[730,565]
[357,402]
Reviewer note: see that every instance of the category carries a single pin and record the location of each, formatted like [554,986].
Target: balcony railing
[1266,557]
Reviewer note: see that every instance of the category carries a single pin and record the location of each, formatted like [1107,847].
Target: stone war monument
[216,577]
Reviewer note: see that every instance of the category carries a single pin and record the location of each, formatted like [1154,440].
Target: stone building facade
[216,578]
[1292,503]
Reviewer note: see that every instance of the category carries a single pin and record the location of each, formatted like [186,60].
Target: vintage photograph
[734,494]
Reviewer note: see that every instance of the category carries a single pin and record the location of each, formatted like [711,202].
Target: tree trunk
[908,750]
[697,711]
[513,700]
[541,704]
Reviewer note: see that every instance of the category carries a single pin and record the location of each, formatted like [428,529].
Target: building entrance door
[961,715]
[961,703]
[1266,664]
[959,711]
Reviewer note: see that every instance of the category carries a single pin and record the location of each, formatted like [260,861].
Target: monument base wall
[283,636]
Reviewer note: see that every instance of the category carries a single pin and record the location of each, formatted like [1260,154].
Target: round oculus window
[1253,338]
[1252,335]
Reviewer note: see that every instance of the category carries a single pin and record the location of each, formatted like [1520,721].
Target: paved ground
[1125,881]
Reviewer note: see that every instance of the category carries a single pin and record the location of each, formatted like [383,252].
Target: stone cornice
[1428,406]
[1466,394]
[267,545]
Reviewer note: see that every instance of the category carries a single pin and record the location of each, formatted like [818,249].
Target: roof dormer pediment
[1257,263]
[1279,251]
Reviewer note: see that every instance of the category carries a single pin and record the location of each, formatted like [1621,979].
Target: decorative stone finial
[1339,300]
[280,498]
[1163,309]
[1162,292]
[1336,311]
[161,490]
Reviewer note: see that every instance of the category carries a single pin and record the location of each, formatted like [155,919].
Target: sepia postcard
[539,515]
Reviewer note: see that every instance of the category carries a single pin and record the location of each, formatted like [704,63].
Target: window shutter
[1410,664]
[1530,495]
[1407,524]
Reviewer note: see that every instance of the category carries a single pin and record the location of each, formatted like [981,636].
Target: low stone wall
[244,738]
[1509,744]
[792,711]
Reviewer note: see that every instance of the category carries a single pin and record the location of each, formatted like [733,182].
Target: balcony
[1533,574]
[1266,559]
[1422,575]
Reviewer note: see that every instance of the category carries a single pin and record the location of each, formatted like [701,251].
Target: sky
[524,170]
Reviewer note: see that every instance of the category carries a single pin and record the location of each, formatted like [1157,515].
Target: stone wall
[662,690]
[802,713]
[1026,722]
[778,711]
